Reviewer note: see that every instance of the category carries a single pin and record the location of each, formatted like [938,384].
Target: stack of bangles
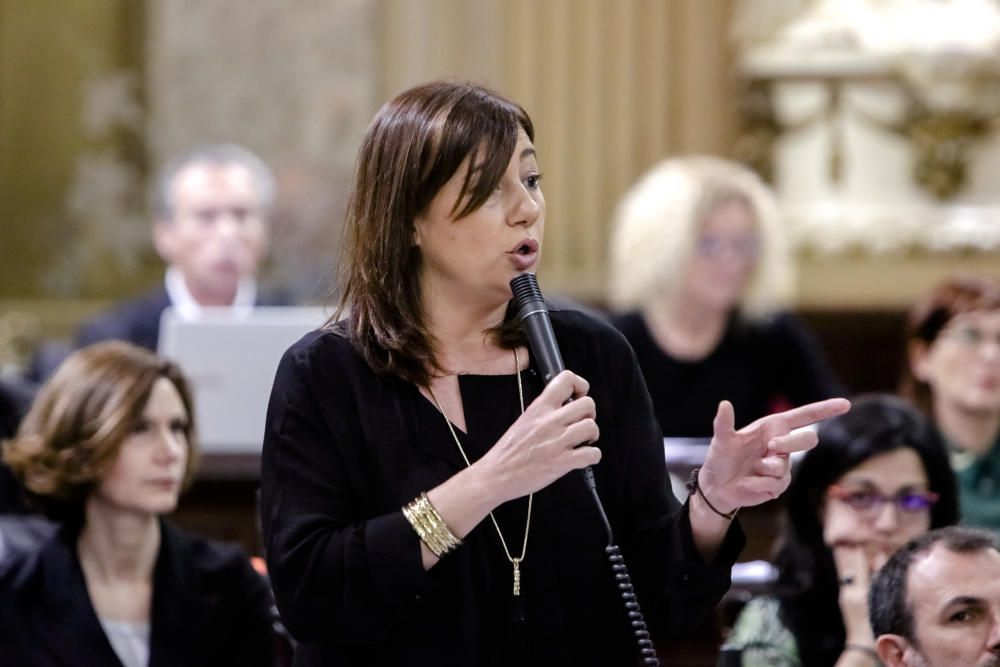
[429,525]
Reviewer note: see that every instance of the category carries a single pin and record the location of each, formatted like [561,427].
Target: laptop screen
[229,357]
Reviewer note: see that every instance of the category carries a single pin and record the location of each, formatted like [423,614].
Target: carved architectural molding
[878,132]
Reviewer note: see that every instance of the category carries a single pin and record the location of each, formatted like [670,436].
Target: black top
[345,449]
[209,607]
[15,398]
[758,366]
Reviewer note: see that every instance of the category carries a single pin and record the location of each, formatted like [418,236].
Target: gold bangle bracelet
[430,527]
[416,519]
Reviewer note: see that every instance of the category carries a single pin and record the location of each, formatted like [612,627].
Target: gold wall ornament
[864,153]
[759,128]
[942,144]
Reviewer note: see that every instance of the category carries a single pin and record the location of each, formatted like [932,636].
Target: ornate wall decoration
[105,204]
[881,120]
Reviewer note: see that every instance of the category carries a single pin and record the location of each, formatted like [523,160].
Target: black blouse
[758,366]
[209,607]
[345,449]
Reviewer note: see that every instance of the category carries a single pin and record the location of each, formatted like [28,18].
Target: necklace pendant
[517,575]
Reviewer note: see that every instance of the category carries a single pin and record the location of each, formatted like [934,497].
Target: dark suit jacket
[345,449]
[209,608]
[14,401]
[138,320]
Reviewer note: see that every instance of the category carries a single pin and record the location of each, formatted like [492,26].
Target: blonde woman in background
[105,451]
[701,271]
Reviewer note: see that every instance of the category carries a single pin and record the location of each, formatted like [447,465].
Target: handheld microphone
[533,315]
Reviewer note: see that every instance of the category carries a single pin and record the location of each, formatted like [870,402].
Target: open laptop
[229,357]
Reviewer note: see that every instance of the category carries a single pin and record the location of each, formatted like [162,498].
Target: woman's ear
[918,353]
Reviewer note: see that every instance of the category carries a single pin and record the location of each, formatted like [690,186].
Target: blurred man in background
[211,208]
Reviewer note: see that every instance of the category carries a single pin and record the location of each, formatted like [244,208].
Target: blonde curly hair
[75,428]
[656,224]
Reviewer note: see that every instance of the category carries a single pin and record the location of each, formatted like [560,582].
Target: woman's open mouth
[524,254]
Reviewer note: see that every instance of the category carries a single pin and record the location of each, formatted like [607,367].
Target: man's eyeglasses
[870,503]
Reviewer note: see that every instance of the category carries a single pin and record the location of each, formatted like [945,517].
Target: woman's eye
[140,426]
[862,500]
[178,426]
[533,180]
[913,502]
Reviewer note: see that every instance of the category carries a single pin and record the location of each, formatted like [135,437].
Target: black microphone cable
[533,315]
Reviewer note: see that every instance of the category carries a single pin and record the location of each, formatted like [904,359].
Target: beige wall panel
[49,51]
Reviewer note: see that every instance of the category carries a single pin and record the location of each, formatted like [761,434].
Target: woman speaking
[417,503]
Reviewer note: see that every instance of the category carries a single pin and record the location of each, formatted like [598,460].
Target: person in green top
[953,374]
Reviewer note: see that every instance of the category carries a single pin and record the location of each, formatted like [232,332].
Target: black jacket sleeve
[336,577]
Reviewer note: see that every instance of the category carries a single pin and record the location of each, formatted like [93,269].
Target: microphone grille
[525,288]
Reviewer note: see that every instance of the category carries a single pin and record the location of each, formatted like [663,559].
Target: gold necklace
[515,562]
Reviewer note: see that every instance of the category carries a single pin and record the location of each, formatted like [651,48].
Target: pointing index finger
[814,412]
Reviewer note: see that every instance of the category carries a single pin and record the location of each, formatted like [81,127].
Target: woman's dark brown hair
[72,434]
[957,295]
[415,144]
[807,576]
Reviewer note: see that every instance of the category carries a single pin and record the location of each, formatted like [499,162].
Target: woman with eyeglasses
[878,478]
[700,271]
[953,374]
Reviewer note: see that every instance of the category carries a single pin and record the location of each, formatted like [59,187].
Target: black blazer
[345,449]
[14,401]
[138,320]
[209,608]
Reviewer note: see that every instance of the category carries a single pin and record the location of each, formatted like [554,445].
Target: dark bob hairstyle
[414,145]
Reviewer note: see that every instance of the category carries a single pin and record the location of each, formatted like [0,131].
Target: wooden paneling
[51,54]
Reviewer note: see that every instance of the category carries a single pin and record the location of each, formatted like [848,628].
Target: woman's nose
[888,517]
[527,209]
[989,349]
[171,445]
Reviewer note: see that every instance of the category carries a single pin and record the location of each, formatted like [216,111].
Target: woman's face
[724,257]
[879,504]
[472,260]
[962,365]
[147,474]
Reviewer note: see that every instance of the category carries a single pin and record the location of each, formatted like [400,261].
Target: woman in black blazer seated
[419,499]
[105,451]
